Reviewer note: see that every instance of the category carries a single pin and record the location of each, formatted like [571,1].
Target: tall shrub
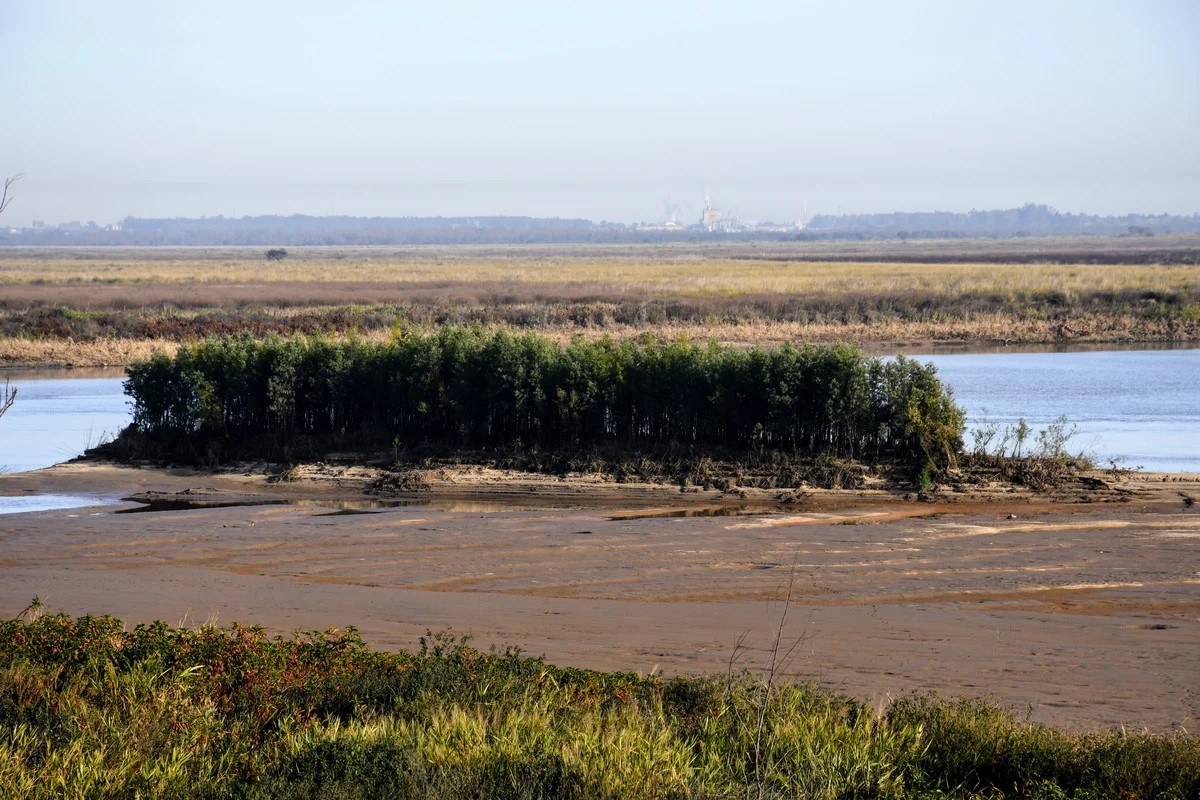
[476,388]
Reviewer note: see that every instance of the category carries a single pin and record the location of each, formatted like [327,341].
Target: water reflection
[362,506]
[367,506]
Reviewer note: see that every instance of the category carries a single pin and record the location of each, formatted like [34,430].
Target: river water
[58,414]
[1141,407]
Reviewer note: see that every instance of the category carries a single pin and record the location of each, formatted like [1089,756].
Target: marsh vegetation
[90,708]
[113,305]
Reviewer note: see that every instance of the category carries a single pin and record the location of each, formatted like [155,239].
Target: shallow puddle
[706,511]
[363,506]
[24,504]
[366,506]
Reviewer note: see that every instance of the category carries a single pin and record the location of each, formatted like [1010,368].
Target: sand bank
[1086,614]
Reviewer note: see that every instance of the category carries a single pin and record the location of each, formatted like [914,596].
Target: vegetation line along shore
[90,708]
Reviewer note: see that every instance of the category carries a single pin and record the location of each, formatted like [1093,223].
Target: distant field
[1169,249]
[1115,289]
[944,267]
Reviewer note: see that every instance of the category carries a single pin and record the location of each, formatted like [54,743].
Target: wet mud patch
[150,505]
[704,511]
[152,502]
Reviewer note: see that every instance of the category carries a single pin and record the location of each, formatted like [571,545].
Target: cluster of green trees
[471,387]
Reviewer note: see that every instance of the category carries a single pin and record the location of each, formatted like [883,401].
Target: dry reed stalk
[991,328]
[16,352]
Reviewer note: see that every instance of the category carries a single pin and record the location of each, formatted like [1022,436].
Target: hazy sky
[611,110]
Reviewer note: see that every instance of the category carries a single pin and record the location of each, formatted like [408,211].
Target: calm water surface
[1141,407]
[58,414]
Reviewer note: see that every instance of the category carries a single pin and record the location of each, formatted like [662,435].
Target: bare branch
[776,666]
[739,649]
[7,398]
[5,199]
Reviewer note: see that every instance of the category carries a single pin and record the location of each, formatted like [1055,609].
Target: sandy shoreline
[1086,614]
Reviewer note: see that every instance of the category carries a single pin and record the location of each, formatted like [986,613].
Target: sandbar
[1085,615]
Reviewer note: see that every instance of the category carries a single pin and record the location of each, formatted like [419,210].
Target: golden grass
[734,289]
[65,352]
[992,328]
[684,276]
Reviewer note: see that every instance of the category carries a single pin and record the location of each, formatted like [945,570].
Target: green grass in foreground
[90,709]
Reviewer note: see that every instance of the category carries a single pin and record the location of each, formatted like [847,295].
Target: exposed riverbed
[1080,614]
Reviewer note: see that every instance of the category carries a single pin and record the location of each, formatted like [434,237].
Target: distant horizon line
[593,221]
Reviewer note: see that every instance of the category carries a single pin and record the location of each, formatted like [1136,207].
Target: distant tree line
[468,387]
[1028,220]
[301,230]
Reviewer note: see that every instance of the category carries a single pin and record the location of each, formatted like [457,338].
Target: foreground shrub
[91,709]
[973,746]
[467,387]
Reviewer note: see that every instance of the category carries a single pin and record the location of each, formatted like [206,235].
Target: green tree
[473,387]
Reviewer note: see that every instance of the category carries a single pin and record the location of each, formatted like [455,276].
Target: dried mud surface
[1084,614]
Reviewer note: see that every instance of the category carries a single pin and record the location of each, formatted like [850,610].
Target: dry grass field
[107,305]
[658,270]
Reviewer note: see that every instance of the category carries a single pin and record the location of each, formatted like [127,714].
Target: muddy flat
[1082,614]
